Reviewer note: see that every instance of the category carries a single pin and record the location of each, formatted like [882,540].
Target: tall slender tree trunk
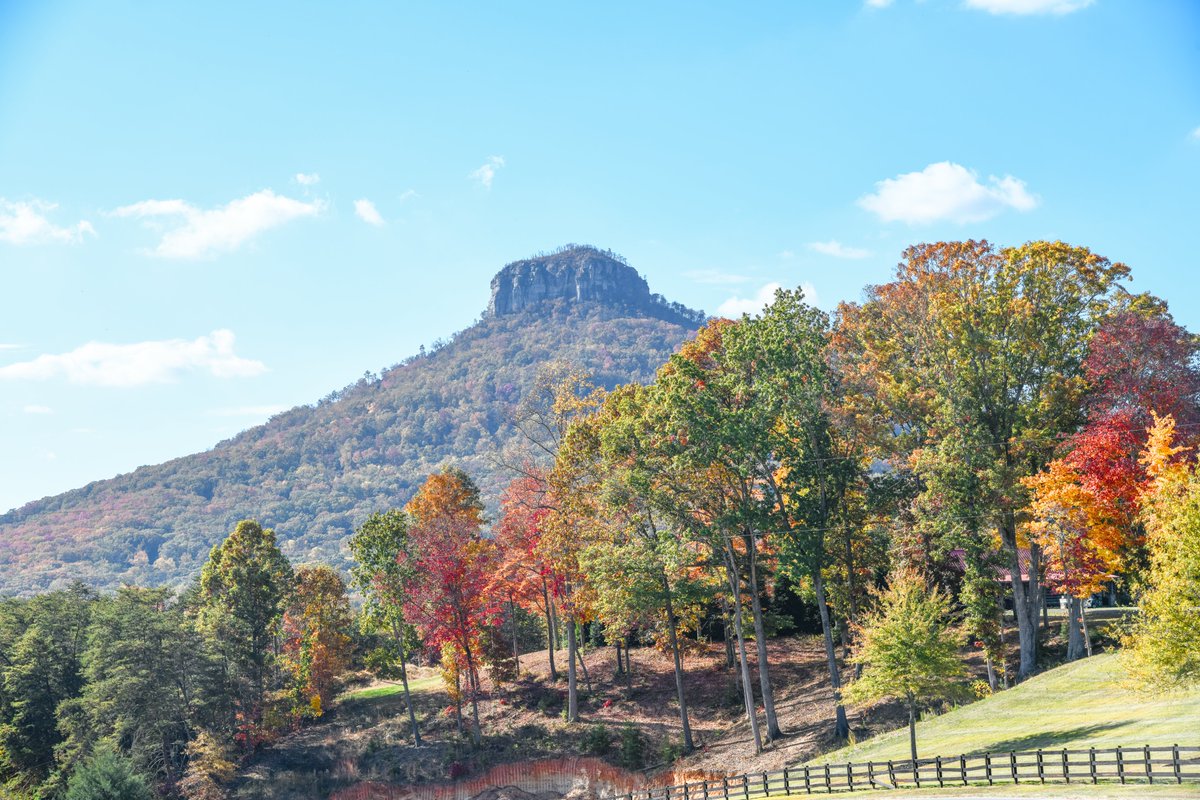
[587,679]
[912,732]
[549,631]
[841,728]
[620,665]
[572,688]
[747,692]
[672,624]
[1087,637]
[1074,630]
[760,641]
[1024,601]
[476,730]
[727,629]
[408,703]
[991,671]
[512,615]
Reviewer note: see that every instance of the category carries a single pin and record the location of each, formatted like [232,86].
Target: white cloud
[408,194]
[10,346]
[735,307]
[487,173]
[878,3]
[207,232]
[27,223]
[838,250]
[367,212]
[308,178]
[33,409]
[946,191]
[1058,7]
[249,411]
[103,364]
[715,276]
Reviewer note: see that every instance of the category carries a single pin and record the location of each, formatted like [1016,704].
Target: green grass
[394,689]
[1084,704]
[1084,792]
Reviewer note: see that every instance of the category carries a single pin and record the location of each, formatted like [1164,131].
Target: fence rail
[1146,764]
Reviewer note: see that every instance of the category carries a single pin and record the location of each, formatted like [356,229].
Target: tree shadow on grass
[1046,740]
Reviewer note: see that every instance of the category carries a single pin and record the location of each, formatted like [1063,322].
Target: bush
[107,776]
[598,740]
[633,750]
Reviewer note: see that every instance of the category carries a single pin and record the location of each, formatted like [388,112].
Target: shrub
[598,740]
[632,754]
[107,776]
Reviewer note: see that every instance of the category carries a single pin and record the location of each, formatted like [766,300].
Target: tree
[1163,648]
[107,776]
[244,589]
[908,650]
[381,574]
[451,565]
[981,350]
[316,644]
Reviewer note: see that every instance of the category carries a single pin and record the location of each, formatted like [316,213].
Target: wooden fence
[1127,765]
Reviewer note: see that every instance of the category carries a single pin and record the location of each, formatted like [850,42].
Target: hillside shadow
[1048,740]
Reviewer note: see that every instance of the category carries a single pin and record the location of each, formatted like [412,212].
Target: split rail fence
[1127,765]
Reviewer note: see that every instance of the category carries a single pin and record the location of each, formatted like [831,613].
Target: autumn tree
[316,643]
[1164,645]
[381,574]
[980,350]
[449,566]
[908,649]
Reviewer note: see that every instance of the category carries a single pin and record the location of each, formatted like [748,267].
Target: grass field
[1084,704]
[1058,792]
[389,689]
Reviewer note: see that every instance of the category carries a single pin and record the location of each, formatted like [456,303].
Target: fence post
[666,793]
[1066,766]
[807,782]
[828,785]
[962,767]
[1092,763]
[850,775]
[1012,761]
[787,789]
[766,785]
[939,772]
[1175,763]
[1041,766]
[891,773]
[704,788]
[746,787]
[725,786]
[916,770]
[685,791]
[1120,764]
[871,773]
[987,766]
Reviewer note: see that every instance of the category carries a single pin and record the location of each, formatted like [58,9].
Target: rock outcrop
[580,274]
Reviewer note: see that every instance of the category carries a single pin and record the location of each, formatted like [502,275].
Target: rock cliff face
[580,274]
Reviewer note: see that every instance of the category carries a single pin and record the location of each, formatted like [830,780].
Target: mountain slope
[315,472]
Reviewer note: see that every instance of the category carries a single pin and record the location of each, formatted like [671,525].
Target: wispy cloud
[408,194]
[27,222]
[735,307]
[35,409]
[715,276]
[10,346]
[487,173]
[1057,7]
[1195,135]
[946,191]
[367,212]
[878,3]
[163,361]
[206,232]
[249,411]
[307,178]
[838,250]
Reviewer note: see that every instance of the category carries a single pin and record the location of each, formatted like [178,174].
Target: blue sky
[214,211]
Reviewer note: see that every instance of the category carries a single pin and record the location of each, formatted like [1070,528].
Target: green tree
[107,776]
[380,574]
[908,650]
[316,646]
[244,590]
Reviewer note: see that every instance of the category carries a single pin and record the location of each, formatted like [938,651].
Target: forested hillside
[315,472]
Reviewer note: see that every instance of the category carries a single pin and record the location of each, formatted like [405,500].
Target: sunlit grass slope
[1084,704]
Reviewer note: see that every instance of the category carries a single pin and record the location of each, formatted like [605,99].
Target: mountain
[315,472]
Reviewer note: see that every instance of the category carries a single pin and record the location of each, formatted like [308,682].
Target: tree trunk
[512,613]
[549,632]
[747,692]
[672,623]
[841,727]
[912,732]
[760,641]
[476,730]
[587,679]
[572,695]
[1024,602]
[620,665]
[730,655]
[991,671]
[1087,637]
[628,664]
[408,704]
[1074,631]
[458,723]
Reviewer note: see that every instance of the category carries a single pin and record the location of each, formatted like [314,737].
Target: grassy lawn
[393,689]
[1061,792]
[1083,704]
